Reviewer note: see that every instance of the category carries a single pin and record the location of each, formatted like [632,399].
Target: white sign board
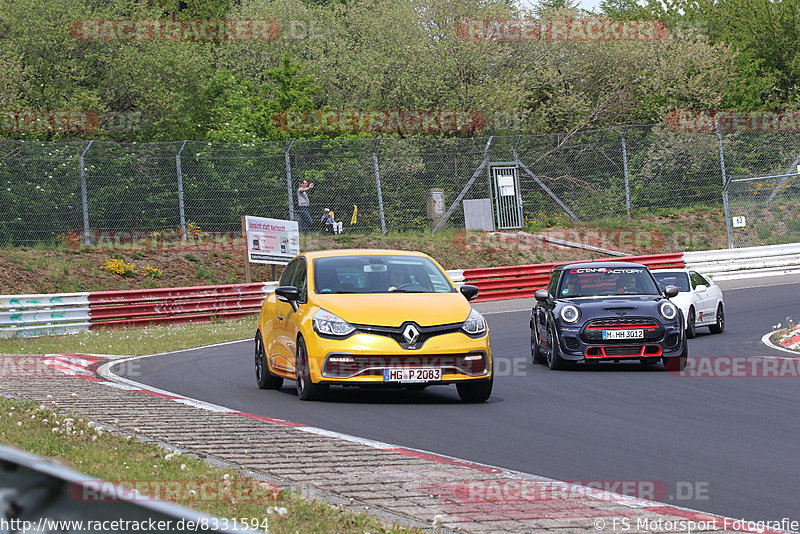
[506,185]
[271,240]
[739,222]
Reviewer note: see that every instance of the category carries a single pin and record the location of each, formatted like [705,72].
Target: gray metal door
[507,199]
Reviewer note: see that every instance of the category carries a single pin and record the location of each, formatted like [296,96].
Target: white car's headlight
[668,310]
[570,314]
[474,324]
[329,324]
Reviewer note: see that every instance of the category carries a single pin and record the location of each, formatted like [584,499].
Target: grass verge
[135,341]
[55,432]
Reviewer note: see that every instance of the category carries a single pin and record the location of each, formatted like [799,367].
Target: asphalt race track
[718,444]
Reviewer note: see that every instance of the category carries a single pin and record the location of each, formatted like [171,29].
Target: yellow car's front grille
[347,365]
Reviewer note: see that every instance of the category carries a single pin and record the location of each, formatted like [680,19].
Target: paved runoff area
[411,487]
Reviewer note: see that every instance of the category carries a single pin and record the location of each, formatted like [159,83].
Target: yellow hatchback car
[371,318]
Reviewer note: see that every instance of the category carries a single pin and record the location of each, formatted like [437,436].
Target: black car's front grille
[592,332]
[572,343]
[397,333]
[626,351]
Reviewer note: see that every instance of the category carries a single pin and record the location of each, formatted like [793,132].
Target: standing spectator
[303,206]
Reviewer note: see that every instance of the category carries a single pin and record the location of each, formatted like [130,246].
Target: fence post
[625,171]
[724,190]
[180,192]
[84,196]
[378,185]
[289,179]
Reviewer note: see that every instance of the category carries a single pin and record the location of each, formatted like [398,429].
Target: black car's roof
[609,264]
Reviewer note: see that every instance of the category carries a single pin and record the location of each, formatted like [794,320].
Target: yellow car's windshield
[379,274]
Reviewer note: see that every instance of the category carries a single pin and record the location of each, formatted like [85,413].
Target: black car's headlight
[668,310]
[327,323]
[570,314]
[474,324]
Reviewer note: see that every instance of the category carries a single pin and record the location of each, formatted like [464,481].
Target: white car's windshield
[679,280]
[601,281]
[379,274]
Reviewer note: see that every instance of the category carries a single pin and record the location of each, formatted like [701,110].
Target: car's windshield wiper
[390,290]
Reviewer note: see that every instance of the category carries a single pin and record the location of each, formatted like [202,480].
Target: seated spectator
[328,221]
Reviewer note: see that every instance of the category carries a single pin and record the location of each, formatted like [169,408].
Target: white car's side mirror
[701,287]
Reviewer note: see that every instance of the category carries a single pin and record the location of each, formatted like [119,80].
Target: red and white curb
[792,348]
[97,369]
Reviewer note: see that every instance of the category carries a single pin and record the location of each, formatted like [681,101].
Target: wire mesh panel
[671,170]
[40,193]
[409,168]
[376,185]
[132,187]
[770,206]
[583,171]
[343,175]
[223,181]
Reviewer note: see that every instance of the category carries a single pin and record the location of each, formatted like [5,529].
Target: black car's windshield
[602,281]
[679,280]
[379,274]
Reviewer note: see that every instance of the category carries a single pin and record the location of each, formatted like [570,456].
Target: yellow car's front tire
[265,379]
[474,391]
[306,389]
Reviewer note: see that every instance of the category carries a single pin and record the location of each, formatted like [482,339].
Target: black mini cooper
[609,311]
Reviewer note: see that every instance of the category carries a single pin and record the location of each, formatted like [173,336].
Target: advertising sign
[271,240]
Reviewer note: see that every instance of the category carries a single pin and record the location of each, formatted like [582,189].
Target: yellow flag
[355,214]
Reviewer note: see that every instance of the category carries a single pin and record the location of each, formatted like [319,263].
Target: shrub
[152,272]
[118,266]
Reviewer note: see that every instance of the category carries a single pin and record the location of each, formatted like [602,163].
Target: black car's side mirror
[288,294]
[470,292]
[670,291]
[541,295]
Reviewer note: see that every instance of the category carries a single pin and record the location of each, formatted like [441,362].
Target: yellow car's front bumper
[361,358]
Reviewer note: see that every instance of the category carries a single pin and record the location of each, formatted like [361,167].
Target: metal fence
[48,190]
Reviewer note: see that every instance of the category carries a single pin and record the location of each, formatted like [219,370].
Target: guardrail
[42,315]
[71,313]
[751,262]
[522,281]
[68,313]
[54,498]
[176,304]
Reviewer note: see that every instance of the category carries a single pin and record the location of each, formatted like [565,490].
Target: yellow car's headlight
[474,325]
[328,324]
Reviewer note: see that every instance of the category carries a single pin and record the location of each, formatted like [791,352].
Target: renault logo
[411,334]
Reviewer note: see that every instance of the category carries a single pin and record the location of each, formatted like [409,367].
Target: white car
[699,298]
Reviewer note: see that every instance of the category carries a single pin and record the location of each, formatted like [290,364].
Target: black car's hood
[612,305]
